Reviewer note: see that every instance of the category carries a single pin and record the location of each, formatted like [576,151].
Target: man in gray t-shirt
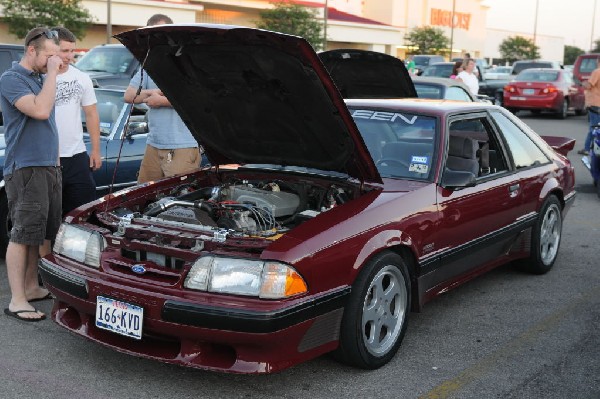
[31,168]
[170,148]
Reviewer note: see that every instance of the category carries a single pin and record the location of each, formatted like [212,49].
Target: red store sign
[444,18]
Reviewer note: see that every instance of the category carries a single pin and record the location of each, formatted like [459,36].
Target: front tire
[545,239]
[376,316]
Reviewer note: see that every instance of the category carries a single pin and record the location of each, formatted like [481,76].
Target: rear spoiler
[562,145]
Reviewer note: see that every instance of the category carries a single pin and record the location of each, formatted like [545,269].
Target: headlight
[80,244]
[264,279]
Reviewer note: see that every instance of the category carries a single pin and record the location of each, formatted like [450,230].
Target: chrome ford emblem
[139,269]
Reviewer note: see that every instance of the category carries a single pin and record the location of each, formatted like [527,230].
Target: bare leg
[32,286]
[16,267]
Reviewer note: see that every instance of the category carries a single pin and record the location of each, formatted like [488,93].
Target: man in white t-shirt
[74,91]
[468,77]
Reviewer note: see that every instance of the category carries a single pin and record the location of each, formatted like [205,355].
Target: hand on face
[53,64]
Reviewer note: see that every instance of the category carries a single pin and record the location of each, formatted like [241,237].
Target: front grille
[168,262]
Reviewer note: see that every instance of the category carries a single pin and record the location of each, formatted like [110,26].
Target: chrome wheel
[550,234]
[383,310]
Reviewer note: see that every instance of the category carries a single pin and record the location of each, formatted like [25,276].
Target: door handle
[513,188]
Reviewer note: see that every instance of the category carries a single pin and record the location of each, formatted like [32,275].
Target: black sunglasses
[50,34]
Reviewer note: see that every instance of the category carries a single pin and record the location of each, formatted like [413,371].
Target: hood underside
[253,97]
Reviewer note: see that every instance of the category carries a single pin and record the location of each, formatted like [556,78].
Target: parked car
[114,141]
[424,60]
[540,90]
[8,54]
[109,65]
[321,223]
[521,65]
[499,72]
[442,88]
[584,65]
[439,70]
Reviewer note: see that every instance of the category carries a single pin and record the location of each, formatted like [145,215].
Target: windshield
[537,76]
[109,106]
[401,144]
[106,59]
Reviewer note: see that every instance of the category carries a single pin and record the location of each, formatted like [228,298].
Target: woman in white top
[468,77]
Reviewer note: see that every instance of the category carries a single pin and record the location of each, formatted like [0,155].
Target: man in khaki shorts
[170,147]
[31,167]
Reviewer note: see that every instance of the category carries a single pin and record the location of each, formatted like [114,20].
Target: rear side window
[588,65]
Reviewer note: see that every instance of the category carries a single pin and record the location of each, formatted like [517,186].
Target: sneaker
[583,152]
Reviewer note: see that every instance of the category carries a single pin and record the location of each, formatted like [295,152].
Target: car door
[477,224]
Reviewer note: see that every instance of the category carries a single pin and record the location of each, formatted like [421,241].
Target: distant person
[31,167]
[171,149]
[410,65]
[592,102]
[74,92]
[468,77]
[456,69]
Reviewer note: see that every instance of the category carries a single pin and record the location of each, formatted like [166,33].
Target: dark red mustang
[322,222]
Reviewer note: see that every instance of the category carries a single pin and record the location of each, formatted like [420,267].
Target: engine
[249,208]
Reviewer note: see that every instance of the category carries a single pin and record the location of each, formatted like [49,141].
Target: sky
[571,19]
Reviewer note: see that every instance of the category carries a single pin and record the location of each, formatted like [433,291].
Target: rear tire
[376,315]
[563,110]
[545,238]
[512,110]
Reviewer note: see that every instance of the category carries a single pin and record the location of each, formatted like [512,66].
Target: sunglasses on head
[50,34]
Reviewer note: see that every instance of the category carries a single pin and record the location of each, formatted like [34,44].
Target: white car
[501,72]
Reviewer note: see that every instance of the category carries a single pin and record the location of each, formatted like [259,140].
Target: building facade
[378,25]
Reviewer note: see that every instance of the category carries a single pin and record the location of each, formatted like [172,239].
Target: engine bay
[242,208]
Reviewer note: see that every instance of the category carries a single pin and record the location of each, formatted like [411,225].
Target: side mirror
[134,128]
[453,179]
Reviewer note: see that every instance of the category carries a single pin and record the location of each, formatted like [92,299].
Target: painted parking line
[487,364]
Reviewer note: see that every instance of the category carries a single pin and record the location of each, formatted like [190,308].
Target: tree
[294,20]
[515,48]
[571,53]
[427,40]
[23,15]
[596,48]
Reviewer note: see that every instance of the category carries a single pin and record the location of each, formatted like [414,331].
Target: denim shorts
[34,204]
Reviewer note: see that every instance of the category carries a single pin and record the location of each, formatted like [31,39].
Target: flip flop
[15,314]
[47,296]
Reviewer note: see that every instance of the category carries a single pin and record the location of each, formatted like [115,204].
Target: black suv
[109,65]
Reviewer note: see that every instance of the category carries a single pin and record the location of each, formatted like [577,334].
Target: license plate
[528,91]
[518,98]
[119,317]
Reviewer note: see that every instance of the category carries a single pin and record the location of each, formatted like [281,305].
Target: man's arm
[131,97]
[92,122]
[40,106]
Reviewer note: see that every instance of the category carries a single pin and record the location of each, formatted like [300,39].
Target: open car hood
[368,74]
[253,97]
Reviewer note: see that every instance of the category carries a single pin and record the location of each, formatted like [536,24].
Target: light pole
[535,22]
[452,28]
[325,25]
[592,34]
[108,22]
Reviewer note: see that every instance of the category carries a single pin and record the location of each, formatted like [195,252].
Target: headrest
[464,147]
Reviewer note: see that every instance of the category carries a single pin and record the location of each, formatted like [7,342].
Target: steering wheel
[392,162]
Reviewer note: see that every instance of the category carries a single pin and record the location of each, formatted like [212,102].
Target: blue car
[113,112]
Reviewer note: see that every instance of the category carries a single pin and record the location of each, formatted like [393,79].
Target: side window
[457,93]
[524,151]
[473,147]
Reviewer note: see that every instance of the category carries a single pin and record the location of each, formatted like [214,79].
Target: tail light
[550,89]
[510,89]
